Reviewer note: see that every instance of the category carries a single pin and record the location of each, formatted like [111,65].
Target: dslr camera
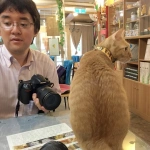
[43,88]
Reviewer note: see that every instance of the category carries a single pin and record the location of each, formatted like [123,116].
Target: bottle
[133,16]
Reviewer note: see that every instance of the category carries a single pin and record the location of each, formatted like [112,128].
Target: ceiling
[49,7]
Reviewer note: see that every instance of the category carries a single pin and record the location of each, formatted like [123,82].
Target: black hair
[23,6]
[54,145]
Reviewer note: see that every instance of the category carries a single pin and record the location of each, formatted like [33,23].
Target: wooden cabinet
[136,23]
[144,101]
[115,17]
[139,97]
[132,91]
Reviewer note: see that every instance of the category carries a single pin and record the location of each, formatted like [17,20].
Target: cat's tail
[100,145]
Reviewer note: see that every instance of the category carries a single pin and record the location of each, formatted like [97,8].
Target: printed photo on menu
[66,138]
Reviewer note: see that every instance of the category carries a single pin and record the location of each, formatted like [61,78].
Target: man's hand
[37,103]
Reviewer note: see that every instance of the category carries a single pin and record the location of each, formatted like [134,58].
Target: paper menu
[34,139]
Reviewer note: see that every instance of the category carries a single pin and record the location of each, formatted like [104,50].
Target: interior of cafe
[69,29]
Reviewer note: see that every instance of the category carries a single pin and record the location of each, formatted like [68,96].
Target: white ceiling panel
[49,7]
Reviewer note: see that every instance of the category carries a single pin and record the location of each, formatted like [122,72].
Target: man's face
[18,38]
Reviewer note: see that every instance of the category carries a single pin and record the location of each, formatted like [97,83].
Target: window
[79,48]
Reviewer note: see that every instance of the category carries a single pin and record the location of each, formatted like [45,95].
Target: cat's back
[95,68]
[95,88]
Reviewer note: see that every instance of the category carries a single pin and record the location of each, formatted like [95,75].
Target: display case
[115,17]
[132,17]
[145,17]
[137,17]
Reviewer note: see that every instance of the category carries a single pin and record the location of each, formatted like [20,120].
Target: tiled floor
[138,126]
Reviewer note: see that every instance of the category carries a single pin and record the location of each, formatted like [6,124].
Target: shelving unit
[101,27]
[137,92]
[115,17]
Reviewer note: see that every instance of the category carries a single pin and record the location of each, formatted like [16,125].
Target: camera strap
[17,109]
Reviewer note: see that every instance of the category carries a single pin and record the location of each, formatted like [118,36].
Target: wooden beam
[69,18]
[46,6]
[82,5]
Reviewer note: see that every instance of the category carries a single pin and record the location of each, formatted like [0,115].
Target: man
[19,24]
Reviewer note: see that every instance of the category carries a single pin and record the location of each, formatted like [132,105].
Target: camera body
[43,88]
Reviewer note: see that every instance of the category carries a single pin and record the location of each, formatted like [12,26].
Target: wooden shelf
[137,37]
[132,37]
[133,63]
[132,21]
[132,8]
[116,24]
[145,16]
[143,60]
[130,79]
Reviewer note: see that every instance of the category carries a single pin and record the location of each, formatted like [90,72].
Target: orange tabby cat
[98,102]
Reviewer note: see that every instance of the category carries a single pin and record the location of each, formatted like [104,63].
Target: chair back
[68,65]
[52,57]
[75,58]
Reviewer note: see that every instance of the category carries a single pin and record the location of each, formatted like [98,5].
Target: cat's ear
[118,34]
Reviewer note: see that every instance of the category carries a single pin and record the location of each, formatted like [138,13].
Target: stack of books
[131,73]
[147,52]
[145,72]
[145,66]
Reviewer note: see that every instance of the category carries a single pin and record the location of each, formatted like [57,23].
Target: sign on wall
[52,26]
[54,46]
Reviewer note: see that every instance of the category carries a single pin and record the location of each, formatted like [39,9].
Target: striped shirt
[10,74]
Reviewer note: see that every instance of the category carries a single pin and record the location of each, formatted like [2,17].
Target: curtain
[75,32]
[68,43]
[87,38]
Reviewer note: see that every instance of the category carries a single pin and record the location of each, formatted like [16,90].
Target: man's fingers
[45,110]
[34,95]
[37,103]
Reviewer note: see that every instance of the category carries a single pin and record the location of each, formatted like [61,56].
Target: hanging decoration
[60,22]
[109,2]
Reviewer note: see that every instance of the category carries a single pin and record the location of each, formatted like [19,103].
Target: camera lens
[54,145]
[48,98]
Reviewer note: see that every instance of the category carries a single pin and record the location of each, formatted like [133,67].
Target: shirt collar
[9,57]
[30,58]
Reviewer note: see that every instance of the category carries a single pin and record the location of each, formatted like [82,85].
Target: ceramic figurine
[138,12]
[149,11]
[143,11]
[114,20]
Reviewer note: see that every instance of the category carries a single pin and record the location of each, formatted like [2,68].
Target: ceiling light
[75,14]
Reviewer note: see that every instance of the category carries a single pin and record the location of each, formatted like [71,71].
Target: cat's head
[118,46]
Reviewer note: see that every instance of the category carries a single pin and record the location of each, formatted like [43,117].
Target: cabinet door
[132,90]
[135,96]
[128,88]
[144,101]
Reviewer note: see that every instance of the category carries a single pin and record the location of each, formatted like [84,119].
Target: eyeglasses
[8,25]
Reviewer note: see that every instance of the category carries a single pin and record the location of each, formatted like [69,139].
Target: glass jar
[136,26]
[136,29]
[133,16]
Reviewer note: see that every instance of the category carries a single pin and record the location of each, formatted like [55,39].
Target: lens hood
[48,98]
